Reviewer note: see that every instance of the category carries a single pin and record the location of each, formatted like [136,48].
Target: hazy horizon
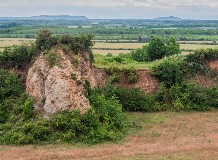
[113,9]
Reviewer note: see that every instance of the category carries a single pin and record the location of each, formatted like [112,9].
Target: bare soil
[161,136]
[146,82]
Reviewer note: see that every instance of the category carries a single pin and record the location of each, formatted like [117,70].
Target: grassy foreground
[152,136]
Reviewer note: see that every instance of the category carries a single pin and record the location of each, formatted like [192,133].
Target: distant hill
[60,17]
[170,18]
[48,17]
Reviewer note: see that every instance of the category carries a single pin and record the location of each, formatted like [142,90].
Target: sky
[115,9]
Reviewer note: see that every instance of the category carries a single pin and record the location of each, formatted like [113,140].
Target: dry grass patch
[118,45]
[156,136]
[7,42]
[196,46]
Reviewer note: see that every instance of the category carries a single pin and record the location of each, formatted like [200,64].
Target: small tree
[169,72]
[45,40]
[156,49]
[172,47]
[140,54]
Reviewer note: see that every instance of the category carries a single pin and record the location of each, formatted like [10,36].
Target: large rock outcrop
[60,87]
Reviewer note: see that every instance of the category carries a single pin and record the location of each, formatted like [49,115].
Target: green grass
[154,136]
[141,124]
[106,62]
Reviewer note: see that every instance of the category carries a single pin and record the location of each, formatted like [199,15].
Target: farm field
[105,48]
[118,45]
[139,45]
[116,48]
[7,42]
[156,136]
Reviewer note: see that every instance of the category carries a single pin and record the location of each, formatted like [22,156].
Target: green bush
[80,44]
[187,96]
[109,111]
[156,49]
[10,85]
[104,121]
[17,56]
[170,72]
[45,40]
[140,54]
[172,47]
[14,137]
[131,99]
[27,108]
[135,100]
[202,56]
[117,74]
[197,63]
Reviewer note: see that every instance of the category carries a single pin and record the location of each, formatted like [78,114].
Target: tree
[172,47]
[140,54]
[45,40]
[169,72]
[156,49]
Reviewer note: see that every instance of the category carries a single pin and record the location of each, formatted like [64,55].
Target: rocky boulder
[59,86]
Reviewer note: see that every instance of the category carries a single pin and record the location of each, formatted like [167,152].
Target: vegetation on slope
[105,121]
[19,123]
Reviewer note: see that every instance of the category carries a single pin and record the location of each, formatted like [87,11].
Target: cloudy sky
[191,9]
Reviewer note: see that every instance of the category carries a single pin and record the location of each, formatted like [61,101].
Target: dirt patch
[146,82]
[213,65]
[204,81]
[162,135]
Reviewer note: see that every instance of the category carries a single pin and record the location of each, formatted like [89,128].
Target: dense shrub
[140,54]
[12,97]
[170,71]
[67,39]
[174,69]
[187,96]
[172,47]
[197,63]
[10,85]
[202,56]
[105,121]
[27,108]
[135,100]
[117,74]
[45,40]
[111,118]
[79,44]
[132,99]
[156,49]
[17,56]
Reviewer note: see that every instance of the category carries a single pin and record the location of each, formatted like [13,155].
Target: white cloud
[3,5]
[112,8]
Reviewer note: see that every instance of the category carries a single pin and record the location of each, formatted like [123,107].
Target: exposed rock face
[54,89]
